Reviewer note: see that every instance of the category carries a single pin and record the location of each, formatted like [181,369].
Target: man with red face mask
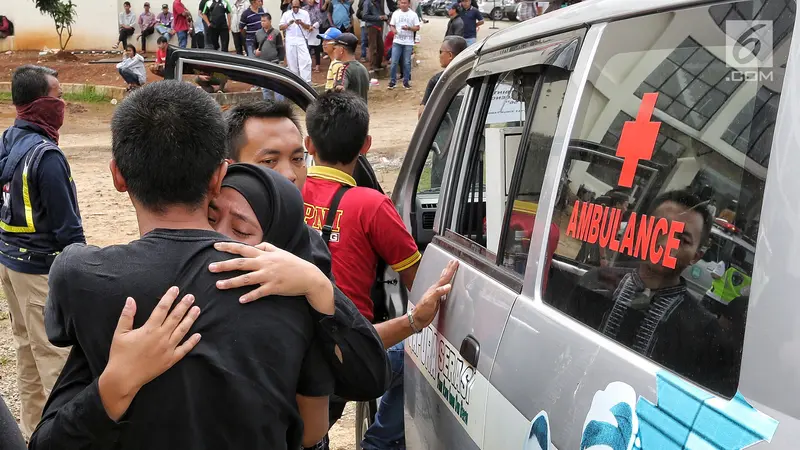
[39,217]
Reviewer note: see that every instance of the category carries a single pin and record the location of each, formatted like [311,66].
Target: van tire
[365,417]
[496,14]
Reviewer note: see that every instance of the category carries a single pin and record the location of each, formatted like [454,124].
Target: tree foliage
[64,14]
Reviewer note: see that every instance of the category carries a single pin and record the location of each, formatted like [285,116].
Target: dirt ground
[108,216]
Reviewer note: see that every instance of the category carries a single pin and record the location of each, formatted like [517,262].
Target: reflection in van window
[661,259]
[481,221]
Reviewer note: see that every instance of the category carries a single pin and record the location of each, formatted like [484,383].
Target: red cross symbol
[638,140]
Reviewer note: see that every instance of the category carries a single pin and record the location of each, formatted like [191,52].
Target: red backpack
[6,27]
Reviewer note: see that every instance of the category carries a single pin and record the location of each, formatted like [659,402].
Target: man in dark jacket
[455,27]
[217,17]
[38,217]
[374,17]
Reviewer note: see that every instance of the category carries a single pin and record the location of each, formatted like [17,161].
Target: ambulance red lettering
[627,239]
[572,228]
[657,251]
[594,225]
[608,224]
[583,224]
[643,237]
[673,243]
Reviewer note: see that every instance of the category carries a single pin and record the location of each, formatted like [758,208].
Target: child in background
[131,69]
[161,57]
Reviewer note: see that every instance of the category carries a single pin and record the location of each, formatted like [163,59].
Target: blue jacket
[39,213]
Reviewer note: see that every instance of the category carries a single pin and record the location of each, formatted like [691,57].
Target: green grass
[4,360]
[87,95]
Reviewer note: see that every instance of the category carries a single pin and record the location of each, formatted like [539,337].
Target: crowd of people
[226,300]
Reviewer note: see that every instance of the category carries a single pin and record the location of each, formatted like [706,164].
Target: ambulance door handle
[470,350]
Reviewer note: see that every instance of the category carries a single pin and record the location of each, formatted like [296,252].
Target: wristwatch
[412,324]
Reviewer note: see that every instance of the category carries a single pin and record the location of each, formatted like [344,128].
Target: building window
[692,84]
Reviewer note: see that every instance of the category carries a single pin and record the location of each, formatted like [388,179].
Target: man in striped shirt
[250,23]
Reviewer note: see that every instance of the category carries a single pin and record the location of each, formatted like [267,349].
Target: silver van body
[528,124]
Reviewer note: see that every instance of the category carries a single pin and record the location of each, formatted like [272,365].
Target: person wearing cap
[296,22]
[328,46]
[147,23]
[352,75]
[455,27]
[164,25]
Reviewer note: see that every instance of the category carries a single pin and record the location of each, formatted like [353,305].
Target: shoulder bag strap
[327,229]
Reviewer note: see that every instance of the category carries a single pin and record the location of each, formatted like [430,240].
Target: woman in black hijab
[259,205]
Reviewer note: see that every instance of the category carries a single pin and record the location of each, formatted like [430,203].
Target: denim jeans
[271,95]
[364,42]
[164,31]
[183,38]
[388,431]
[129,76]
[401,51]
[470,41]
[250,48]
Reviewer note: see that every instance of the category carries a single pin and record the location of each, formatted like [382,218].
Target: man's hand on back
[138,356]
[275,272]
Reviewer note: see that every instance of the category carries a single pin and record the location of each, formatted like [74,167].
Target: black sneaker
[407,86]
[391,86]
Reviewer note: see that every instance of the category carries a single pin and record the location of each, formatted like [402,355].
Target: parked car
[510,8]
[492,9]
[538,347]
[440,7]
[427,7]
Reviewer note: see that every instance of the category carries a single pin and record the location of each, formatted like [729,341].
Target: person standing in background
[455,27]
[250,23]
[217,15]
[352,76]
[127,21]
[182,17]
[451,47]
[39,217]
[404,24]
[340,15]
[318,19]
[295,23]
[147,24]
[328,45]
[374,16]
[239,8]
[198,33]
[472,19]
[270,48]
[164,24]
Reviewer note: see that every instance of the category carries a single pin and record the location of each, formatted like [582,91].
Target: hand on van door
[427,307]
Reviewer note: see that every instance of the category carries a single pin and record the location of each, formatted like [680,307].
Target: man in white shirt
[127,21]
[404,23]
[295,22]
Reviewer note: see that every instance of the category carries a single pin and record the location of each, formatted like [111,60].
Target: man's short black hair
[338,124]
[237,117]
[167,139]
[161,40]
[267,15]
[456,44]
[689,201]
[126,4]
[29,82]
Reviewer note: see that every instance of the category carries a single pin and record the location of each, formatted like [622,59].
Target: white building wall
[96,25]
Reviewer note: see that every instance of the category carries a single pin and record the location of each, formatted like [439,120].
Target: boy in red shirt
[161,57]
[366,226]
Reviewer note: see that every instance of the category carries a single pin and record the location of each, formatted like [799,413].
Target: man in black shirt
[451,47]
[237,387]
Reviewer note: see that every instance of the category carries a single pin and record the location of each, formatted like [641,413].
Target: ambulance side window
[490,165]
[529,172]
[660,195]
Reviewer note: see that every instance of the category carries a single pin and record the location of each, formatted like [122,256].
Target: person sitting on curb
[131,69]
